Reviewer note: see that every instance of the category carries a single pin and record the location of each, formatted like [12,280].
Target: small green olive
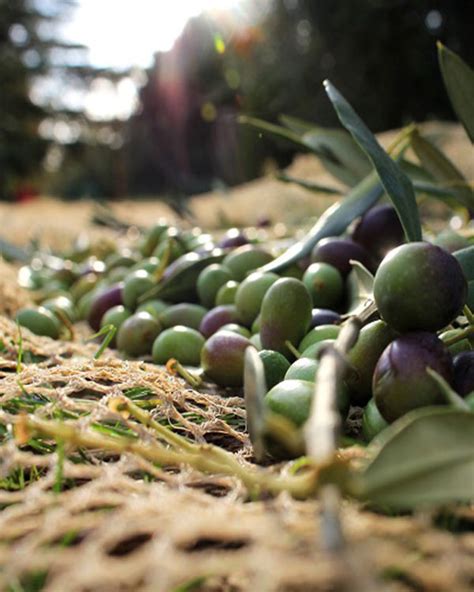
[179,342]
[39,321]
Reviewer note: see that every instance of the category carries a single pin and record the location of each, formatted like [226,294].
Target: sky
[124,33]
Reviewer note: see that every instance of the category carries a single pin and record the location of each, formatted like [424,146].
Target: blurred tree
[26,52]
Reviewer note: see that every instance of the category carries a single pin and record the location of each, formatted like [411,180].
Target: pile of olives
[182,294]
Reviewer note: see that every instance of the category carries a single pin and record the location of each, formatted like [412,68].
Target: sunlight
[122,33]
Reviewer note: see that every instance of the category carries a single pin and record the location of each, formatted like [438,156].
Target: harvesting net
[94,498]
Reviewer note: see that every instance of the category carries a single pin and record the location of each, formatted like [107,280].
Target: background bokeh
[179,134]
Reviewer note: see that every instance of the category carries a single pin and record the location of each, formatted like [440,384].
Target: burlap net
[122,523]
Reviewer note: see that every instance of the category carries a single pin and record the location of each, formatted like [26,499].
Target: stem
[206,458]
[462,334]
[293,349]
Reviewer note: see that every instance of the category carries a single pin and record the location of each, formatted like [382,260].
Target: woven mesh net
[80,516]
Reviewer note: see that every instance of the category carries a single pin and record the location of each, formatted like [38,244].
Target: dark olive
[179,342]
[233,238]
[324,316]
[222,358]
[338,252]
[379,230]
[217,317]
[137,334]
[400,381]
[463,375]
[419,286]
[101,303]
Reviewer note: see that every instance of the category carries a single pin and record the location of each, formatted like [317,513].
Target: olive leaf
[459,81]
[178,283]
[397,185]
[337,151]
[333,222]
[310,185]
[450,395]
[360,284]
[442,169]
[424,458]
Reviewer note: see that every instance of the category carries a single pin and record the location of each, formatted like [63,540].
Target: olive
[419,286]
[189,315]
[319,334]
[152,237]
[314,350]
[325,284]
[372,422]
[179,342]
[400,381]
[250,293]
[155,306]
[275,366]
[209,281]
[463,374]
[379,230]
[84,284]
[285,314]
[136,284]
[256,325]
[226,293]
[363,357]
[338,252]
[470,402]
[217,317]
[303,369]
[101,302]
[39,321]
[137,334]
[292,399]
[324,316]
[150,265]
[235,328]
[450,241]
[117,274]
[172,246]
[222,358]
[123,259]
[115,316]
[233,238]
[64,305]
[244,259]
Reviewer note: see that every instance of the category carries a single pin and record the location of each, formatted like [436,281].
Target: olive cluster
[208,319]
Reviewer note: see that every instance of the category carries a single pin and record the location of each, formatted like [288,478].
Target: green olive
[209,281]
[325,284]
[275,366]
[39,321]
[137,334]
[179,342]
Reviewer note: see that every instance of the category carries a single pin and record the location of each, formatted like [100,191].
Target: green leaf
[333,222]
[336,150]
[459,81]
[442,169]
[360,288]
[397,185]
[310,185]
[425,458]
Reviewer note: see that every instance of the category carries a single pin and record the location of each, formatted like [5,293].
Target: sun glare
[124,33]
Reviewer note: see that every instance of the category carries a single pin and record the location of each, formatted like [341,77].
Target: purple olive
[463,380]
[379,230]
[400,381]
[222,358]
[105,299]
[217,317]
[324,316]
[233,238]
[339,251]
